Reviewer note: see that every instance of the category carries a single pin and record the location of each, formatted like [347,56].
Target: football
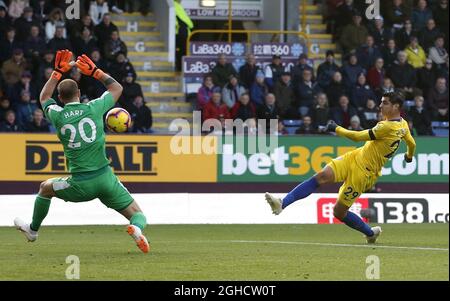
[118,120]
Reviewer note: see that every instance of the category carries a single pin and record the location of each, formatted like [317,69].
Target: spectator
[380,34]
[320,113]
[438,54]
[216,109]
[34,45]
[9,44]
[440,15]
[344,14]
[85,43]
[10,124]
[5,22]
[376,75]
[25,84]
[426,77]
[297,71]
[416,55]
[141,116]
[243,109]
[284,92]
[368,53]
[222,71]
[5,106]
[205,92]
[403,36]
[13,68]
[389,53]
[396,13]
[306,93]
[351,70]
[369,115]
[59,42]
[114,46]
[268,112]
[355,124]
[420,117]
[307,127]
[273,72]
[420,15]
[387,87]
[131,89]
[404,76]
[232,91]
[17,8]
[438,100]
[97,10]
[46,62]
[361,93]
[259,90]
[247,73]
[336,89]
[38,124]
[95,87]
[24,23]
[25,108]
[343,113]
[326,70]
[121,67]
[428,35]
[353,35]
[77,29]
[104,30]
[55,19]
[41,9]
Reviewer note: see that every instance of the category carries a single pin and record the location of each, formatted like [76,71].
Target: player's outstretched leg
[137,224]
[355,222]
[301,191]
[41,207]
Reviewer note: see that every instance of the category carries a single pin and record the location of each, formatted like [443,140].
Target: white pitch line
[337,245]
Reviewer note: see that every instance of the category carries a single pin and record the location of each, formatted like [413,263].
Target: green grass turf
[206,252]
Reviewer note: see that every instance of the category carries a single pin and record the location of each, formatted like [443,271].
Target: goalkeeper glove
[87,67]
[62,63]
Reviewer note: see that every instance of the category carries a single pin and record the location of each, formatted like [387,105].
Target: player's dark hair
[395,97]
[67,90]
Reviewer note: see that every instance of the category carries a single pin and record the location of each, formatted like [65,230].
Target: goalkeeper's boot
[30,234]
[139,238]
[275,203]
[376,232]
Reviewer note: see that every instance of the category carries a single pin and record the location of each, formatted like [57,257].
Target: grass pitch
[228,252]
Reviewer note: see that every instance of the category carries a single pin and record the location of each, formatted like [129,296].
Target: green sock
[138,219]
[41,206]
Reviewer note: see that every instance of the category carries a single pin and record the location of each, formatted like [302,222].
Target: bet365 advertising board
[144,158]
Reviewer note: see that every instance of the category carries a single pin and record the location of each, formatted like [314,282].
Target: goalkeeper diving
[80,130]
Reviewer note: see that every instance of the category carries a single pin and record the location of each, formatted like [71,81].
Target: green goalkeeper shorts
[102,184]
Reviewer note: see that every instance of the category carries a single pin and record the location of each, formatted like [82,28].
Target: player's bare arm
[62,65]
[87,67]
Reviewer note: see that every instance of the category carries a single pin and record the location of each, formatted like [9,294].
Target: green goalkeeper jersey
[80,127]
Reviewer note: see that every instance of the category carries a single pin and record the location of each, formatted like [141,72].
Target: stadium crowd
[404,49]
[31,31]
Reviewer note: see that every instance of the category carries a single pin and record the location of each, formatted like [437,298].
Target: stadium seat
[408,104]
[292,125]
[440,129]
